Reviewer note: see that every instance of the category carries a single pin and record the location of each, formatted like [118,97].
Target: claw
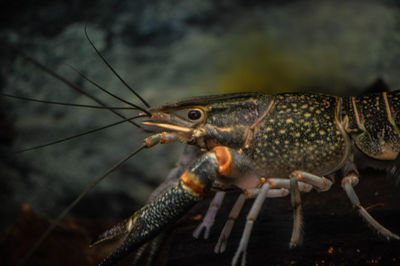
[112,233]
[151,219]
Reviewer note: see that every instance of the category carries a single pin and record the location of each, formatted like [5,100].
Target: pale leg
[209,218]
[347,183]
[251,217]
[226,231]
[296,238]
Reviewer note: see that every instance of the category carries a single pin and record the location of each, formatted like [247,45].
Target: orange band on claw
[191,182]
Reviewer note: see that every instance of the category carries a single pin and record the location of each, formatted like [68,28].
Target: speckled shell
[301,132]
[373,122]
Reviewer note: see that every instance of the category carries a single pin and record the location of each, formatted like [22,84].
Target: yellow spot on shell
[289,120]
[307,115]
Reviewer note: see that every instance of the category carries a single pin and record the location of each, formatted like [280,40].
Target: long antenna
[89,188]
[71,85]
[80,134]
[109,93]
[65,104]
[112,69]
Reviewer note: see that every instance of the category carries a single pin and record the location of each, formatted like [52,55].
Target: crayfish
[268,146]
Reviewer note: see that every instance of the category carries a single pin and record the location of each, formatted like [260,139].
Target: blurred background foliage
[166,50]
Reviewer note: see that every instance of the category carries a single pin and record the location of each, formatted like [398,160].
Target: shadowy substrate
[333,233]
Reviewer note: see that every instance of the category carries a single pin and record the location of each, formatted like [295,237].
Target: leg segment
[278,188]
[295,186]
[209,218]
[235,169]
[272,193]
[299,181]
[296,238]
[279,183]
[251,217]
[226,231]
[351,179]
[319,182]
[347,184]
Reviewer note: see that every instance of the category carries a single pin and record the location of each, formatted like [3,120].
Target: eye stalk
[195,114]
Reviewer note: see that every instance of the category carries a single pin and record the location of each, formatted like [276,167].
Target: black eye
[194,114]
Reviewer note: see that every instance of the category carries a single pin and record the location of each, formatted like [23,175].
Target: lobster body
[267,146]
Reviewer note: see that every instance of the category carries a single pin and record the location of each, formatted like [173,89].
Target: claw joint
[224,159]
[192,183]
[352,179]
